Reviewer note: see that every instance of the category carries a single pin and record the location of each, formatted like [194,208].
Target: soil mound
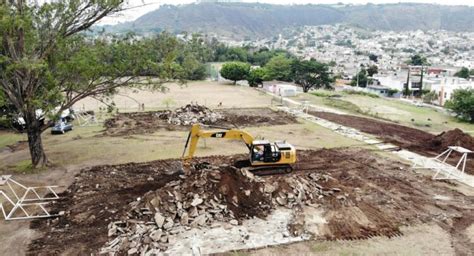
[454,137]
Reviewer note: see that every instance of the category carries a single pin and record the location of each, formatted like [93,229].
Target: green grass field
[88,146]
[9,138]
[404,113]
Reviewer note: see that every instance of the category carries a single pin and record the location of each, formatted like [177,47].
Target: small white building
[281,88]
[445,87]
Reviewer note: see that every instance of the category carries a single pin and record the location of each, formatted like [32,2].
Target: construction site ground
[148,122]
[368,201]
[412,139]
[372,197]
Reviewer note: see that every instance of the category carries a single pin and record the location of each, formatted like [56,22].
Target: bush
[256,77]
[235,71]
[323,94]
[462,103]
[392,92]
[430,97]
[342,104]
[351,92]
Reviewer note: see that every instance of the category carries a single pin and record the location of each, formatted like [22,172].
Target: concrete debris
[210,197]
[159,220]
[196,201]
[190,114]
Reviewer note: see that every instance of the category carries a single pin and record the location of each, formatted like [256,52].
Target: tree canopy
[462,103]
[279,68]
[373,57]
[360,79]
[257,76]
[235,71]
[372,70]
[463,73]
[46,62]
[311,74]
[418,60]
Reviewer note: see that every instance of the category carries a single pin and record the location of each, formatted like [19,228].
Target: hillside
[261,20]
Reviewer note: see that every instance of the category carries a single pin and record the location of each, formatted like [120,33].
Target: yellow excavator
[265,157]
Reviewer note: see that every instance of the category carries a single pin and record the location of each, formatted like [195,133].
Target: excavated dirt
[362,196]
[405,137]
[20,145]
[124,124]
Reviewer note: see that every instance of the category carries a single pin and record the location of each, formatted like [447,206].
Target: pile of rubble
[211,196]
[190,114]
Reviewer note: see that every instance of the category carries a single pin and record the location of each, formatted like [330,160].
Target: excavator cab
[264,151]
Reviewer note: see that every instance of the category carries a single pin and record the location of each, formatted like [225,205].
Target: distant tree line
[282,67]
[192,54]
[465,73]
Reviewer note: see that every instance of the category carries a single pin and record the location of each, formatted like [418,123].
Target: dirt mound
[148,122]
[133,123]
[398,134]
[454,137]
[98,196]
[244,117]
[20,145]
[218,193]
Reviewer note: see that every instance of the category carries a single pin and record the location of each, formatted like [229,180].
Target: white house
[281,88]
[445,86]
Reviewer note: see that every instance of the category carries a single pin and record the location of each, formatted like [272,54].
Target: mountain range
[257,20]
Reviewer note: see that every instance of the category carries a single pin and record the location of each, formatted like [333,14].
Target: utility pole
[421,80]
[358,72]
[357,84]
[407,90]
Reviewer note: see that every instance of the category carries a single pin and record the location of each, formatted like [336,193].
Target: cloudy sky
[140,7]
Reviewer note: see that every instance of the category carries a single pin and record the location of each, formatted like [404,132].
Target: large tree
[235,71]
[257,76]
[463,73]
[46,63]
[418,60]
[360,79]
[372,70]
[462,103]
[279,68]
[311,74]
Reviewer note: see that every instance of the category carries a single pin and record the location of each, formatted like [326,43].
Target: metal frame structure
[21,203]
[450,172]
[86,120]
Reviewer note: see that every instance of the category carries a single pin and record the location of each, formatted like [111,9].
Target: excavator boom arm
[197,133]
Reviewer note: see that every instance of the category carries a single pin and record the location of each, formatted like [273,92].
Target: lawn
[87,146]
[425,118]
[9,138]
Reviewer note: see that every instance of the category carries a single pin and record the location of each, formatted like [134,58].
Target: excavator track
[270,169]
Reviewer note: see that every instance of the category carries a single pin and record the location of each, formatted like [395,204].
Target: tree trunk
[33,128]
